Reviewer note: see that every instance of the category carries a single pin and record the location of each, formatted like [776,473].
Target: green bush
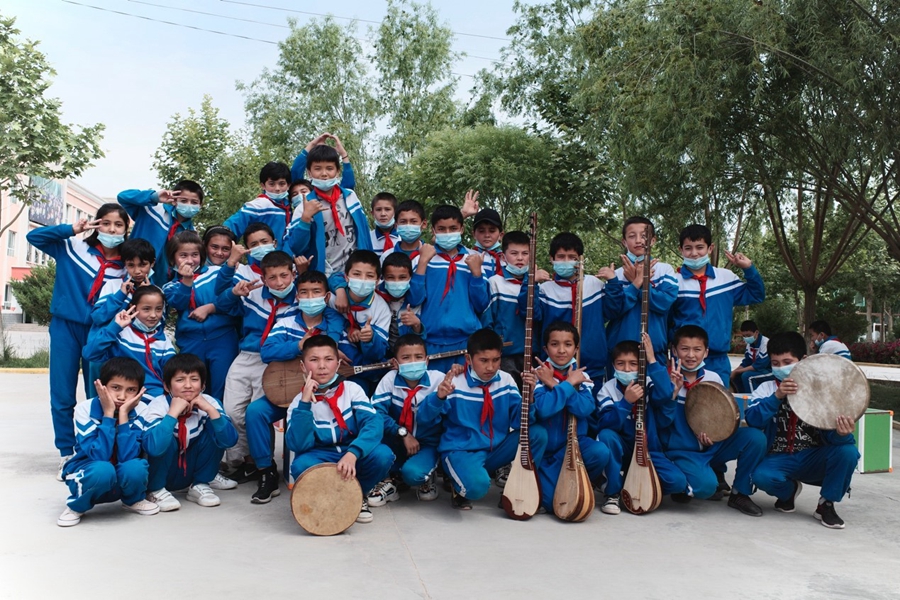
[38,360]
[34,292]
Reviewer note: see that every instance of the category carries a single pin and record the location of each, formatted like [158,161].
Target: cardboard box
[874,439]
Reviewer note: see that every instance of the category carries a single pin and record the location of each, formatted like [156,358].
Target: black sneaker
[723,485]
[460,502]
[681,498]
[268,486]
[787,506]
[825,513]
[744,504]
[244,473]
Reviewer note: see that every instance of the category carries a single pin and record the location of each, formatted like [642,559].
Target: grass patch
[38,360]
[885,397]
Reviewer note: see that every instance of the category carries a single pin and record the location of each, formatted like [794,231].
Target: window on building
[11,244]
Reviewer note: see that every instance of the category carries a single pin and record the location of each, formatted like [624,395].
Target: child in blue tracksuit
[756,359]
[798,452]
[159,215]
[824,342]
[555,300]
[397,399]
[615,420]
[487,229]
[503,314]
[284,343]
[480,409]
[185,434]
[107,465]
[384,234]
[82,268]
[450,282]
[396,272]
[695,454]
[707,295]
[258,241]
[200,329]
[410,226]
[272,206]
[334,421]
[563,390]
[625,320]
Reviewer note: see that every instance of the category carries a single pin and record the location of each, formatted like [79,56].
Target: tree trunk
[869,293]
[809,307]
[890,319]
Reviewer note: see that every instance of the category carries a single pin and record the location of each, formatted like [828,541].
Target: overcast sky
[133,74]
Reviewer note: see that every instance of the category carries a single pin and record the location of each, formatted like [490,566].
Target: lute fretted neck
[640,445]
[527,391]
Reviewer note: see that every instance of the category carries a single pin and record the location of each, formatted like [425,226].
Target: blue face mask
[517,271]
[626,377]
[409,233]
[312,307]
[695,369]
[259,252]
[447,241]
[695,264]
[361,287]
[139,325]
[496,246]
[565,268]
[560,367]
[387,225]
[749,340]
[782,373]
[110,240]
[326,185]
[634,257]
[413,371]
[278,196]
[282,294]
[324,386]
[818,343]
[397,289]
[188,211]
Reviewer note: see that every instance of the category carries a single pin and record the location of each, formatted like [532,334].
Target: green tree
[34,292]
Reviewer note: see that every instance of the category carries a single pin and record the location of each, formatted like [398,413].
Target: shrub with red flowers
[886,353]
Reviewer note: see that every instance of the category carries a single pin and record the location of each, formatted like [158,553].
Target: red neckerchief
[270,320]
[557,374]
[406,414]
[148,355]
[495,255]
[451,271]
[335,409]
[256,269]
[193,301]
[702,279]
[487,412]
[574,287]
[97,285]
[388,242]
[355,308]
[689,384]
[286,209]
[332,197]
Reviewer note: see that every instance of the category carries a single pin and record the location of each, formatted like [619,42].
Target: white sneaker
[142,507]
[69,518]
[203,495]
[427,491]
[59,470]
[383,493]
[164,499]
[365,515]
[222,483]
[611,506]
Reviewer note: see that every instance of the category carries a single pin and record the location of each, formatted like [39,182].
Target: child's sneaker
[383,493]
[744,504]
[59,470]
[826,514]
[501,475]
[611,506]
[787,506]
[164,499]
[365,515]
[203,495]
[142,507]
[428,490]
[69,518]
[268,486]
[222,483]
[243,473]
[460,502]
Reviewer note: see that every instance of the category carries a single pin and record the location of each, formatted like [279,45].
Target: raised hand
[543,373]
[648,348]
[607,273]
[168,196]
[106,400]
[739,260]
[577,377]
[409,318]
[338,145]
[470,205]
[317,141]
[541,275]
[127,286]
[130,403]
[310,209]
[474,261]
[676,376]
[633,392]
[243,288]
[366,333]
[186,272]
[178,406]
[446,387]
[309,390]
[426,253]
[787,387]
[301,263]
[83,225]
[237,253]
[125,317]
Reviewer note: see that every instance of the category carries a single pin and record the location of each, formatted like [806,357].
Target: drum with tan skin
[828,386]
[323,502]
[283,381]
[711,409]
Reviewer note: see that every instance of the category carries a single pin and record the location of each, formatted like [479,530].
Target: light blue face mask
[389,225]
[413,371]
[448,241]
[282,294]
[325,386]
[696,264]
[695,369]
[278,196]
[565,268]
[188,211]
[634,258]
[818,343]
[409,233]
[782,373]
[110,240]
[259,252]
[749,340]
[626,377]
[312,307]
[495,247]
[517,271]
[296,200]
[361,287]
[397,289]
[560,367]
[139,325]
[326,185]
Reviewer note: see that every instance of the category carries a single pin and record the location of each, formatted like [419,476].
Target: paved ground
[426,550]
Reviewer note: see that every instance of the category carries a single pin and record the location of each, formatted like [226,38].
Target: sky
[133,74]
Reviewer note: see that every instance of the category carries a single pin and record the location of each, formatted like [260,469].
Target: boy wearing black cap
[487,229]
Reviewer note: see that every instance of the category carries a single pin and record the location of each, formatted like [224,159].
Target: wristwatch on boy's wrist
[403,432]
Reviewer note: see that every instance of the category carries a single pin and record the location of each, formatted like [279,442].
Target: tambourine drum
[323,503]
[828,386]
[712,409]
[282,381]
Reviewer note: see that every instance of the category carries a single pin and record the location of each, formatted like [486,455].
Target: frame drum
[323,503]
[282,381]
[828,386]
[712,409]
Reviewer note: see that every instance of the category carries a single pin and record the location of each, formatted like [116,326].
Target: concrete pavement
[425,550]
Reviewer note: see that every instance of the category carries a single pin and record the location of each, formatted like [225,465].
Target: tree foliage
[34,292]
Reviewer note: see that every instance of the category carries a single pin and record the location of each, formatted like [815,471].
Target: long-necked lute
[522,494]
[573,499]
[642,492]
[350,370]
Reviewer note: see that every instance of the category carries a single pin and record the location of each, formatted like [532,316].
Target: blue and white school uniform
[503,314]
[492,261]
[397,306]
[107,465]
[276,214]
[110,301]
[383,241]
[756,355]
[227,277]
[714,312]
[797,451]
[81,271]
[186,450]
[152,350]
[298,171]
[480,422]
[157,223]
[394,398]
[625,320]
[375,312]
[833,345]
[318,433]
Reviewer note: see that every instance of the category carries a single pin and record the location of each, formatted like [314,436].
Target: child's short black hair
[313,276]
[626,347]
[146,290]
[562,326]
[397,259]
[121,366]
[273,171]
[821,326]
[409,339]
[638,221]
[256,227]
[186,363]
[695,233]
[787,342]
[185,238]
[189,186]
[749,326]
[137,248]
[366,257]
[217,230]
[104,210]
[276,258]
[691,331]
[446,211]
[411,206]
[297,182]
[519,238]
[483,340]
[566,241]
[320,341]
[385,196]
[323,153]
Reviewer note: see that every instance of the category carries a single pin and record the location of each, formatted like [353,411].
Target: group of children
[298,273]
